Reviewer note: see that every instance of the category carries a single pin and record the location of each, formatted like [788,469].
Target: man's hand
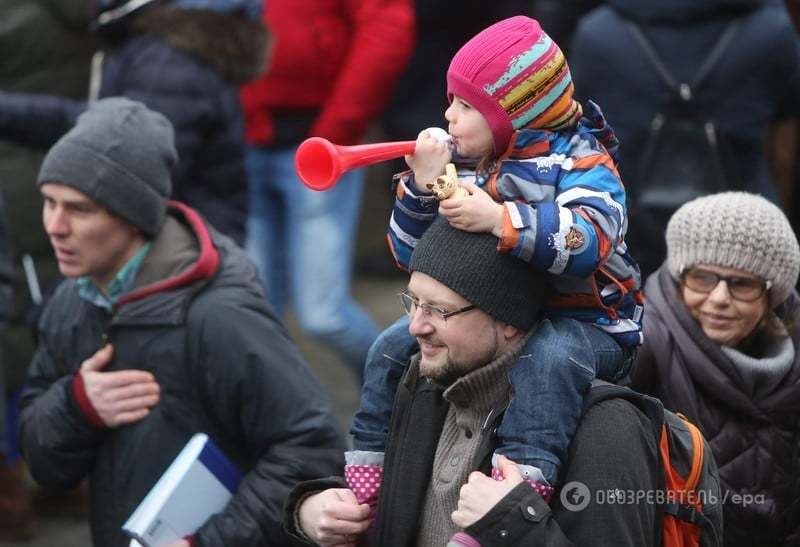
[428,160]
[334,517]
[179,543]
[477,212]
[481,493]
[120,397]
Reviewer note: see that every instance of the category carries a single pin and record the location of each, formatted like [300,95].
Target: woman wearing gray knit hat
[721,346]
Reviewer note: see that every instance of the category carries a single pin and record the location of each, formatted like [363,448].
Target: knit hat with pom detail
[516,76]
[735,230]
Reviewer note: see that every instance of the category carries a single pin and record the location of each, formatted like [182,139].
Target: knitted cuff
[364,457]
[544,489]
[84,404]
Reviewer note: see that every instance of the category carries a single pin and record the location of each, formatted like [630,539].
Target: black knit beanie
[119,154]
[503,286]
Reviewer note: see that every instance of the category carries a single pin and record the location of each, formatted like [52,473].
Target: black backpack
[683,157]
[690,507]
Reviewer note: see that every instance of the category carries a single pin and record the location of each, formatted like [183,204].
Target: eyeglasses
[412,303]
[746,289]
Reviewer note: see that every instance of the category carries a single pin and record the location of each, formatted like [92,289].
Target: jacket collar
[183,253]
[121,284]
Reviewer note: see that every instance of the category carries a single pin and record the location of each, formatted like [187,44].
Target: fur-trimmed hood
[232,44]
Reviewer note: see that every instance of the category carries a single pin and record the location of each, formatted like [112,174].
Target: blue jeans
[302,242]
[555,369]
[386,362]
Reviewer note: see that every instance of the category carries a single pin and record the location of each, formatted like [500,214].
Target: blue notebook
[197,484]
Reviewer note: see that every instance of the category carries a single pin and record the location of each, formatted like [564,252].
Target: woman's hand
[477,212]
[428,160]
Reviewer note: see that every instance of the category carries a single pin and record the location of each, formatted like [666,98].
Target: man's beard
[453,369]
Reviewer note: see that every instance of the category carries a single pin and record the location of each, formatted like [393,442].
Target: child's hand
[428,160]
[477,212]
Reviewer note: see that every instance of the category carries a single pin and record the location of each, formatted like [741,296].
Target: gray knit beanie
[468,263]
[735,230]
[119,154]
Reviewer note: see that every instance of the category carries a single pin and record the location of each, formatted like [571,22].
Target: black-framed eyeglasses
[412,303]
[746,289]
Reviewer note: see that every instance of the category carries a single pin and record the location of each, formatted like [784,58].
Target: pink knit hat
[516,76]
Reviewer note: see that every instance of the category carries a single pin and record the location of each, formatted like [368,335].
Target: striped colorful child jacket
[564,214]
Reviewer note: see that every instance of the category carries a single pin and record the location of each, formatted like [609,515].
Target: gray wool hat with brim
[735,230]
[469,264]
[120,154]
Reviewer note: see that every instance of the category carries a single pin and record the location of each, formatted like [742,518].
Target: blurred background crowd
[244,91]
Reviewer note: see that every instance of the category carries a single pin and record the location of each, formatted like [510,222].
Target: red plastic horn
[320,163]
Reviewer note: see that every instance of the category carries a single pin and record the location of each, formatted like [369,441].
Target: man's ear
[510,332]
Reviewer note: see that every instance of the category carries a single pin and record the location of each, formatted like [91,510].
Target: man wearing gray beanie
[160,331]
[471,310]
[120,154]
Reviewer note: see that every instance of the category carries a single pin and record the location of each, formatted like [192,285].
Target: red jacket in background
[340,57]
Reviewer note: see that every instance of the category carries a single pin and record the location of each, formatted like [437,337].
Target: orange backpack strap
[685,506]
[698,453]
